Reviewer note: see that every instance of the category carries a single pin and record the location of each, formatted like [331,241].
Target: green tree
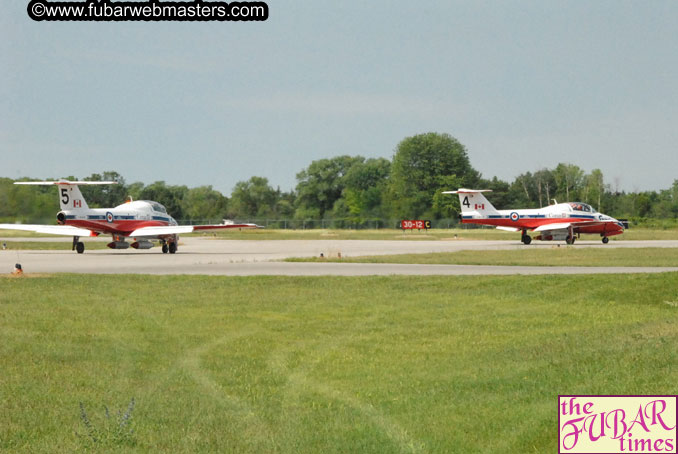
[204,203]
[253,198]
[545,185]
[445,205]
[6,208]
[501,193]
[134,190]
[284,206]
[170,196]
[29,204]
[105,195]
[642,204]
[365,186]
[569,178]
[672,195]
[321,185]
[423,166]
[594,187]
[523,191]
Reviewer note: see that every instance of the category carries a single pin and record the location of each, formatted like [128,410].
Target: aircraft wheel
[80,247]
[606,240]
[569,240]
[526,239]
[172,248]
[164,248]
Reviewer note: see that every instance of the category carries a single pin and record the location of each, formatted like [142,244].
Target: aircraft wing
[66,182]
[567,225]
[177,229]
[67,230]
[508,229]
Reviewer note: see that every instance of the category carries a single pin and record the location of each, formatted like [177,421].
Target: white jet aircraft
[142,221]
[561,221]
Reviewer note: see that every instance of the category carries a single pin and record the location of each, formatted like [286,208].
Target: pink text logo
[617,424]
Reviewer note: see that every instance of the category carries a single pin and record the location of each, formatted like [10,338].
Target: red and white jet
[559,222]
[142,221]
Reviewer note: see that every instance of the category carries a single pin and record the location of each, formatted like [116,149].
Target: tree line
[357,190]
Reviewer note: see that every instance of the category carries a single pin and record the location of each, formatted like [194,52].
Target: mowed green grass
[51,245]
[331,364]
[530,256]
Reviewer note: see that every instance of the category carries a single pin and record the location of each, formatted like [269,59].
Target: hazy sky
[522,84]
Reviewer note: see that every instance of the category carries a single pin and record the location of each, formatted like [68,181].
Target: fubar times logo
[617,424]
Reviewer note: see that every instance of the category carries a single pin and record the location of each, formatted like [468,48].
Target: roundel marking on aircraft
[109,217]
[515,216]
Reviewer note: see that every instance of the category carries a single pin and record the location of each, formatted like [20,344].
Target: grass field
[331,365]
[51,245]
[391,234]
[562,256]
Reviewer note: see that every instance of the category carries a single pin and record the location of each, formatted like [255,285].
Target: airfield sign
[415,224]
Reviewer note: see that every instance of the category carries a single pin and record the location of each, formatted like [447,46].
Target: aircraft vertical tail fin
[473,202]
[70,197]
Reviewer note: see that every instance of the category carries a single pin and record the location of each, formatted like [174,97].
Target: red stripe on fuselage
[120,227]
[608,228]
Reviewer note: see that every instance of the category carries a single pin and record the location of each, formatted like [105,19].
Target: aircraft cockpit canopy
[155,206]
[579,206]
[159,208]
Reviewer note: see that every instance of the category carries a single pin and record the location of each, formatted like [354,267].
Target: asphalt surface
[247,258]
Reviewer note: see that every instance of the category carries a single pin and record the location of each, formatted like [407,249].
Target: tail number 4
[466,203]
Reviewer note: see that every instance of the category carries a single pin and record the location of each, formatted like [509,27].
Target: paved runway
[247,257]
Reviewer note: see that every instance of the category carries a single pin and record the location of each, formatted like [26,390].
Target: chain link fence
[310,224]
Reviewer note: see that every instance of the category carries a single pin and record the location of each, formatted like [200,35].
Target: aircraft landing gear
[570,235]
[526,239]
[169,245]
[606,240]
[78,245]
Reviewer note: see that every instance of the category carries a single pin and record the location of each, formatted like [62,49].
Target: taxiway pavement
[204,255]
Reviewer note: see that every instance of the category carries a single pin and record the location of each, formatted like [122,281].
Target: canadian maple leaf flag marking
[482,206]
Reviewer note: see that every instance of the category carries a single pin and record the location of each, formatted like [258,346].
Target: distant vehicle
[141,221]
[558,222]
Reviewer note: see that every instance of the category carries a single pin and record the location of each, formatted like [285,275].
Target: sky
[522,85]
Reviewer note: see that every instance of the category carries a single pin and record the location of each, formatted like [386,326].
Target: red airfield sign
[415,224]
